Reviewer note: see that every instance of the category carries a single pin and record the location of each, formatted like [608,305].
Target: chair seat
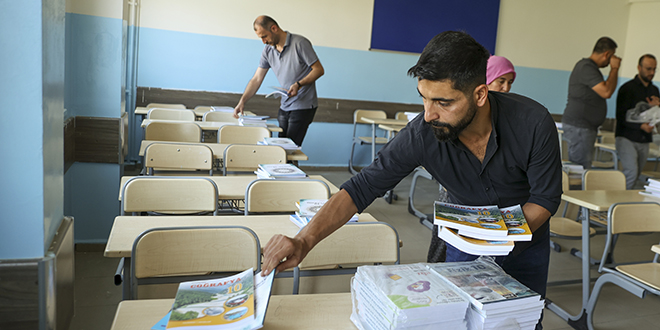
[367,140]
[647,273]
[565,227]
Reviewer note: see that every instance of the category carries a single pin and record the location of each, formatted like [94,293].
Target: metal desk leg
[126,284]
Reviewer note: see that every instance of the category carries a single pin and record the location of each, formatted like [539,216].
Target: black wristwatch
[299,85]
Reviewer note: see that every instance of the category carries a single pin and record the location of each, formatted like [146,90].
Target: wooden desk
[609,148]
[125,229]
[285,312]
[391,129]
[207,125]
[233,186]
[219,149]
[374,122]
[143,111]
[596,200]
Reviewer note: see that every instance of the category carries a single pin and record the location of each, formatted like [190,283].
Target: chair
[166,105]
[242,134]
[354,244]
[563,227]
[171,114]
[281,195]
[400,116]
[362,140]
[172,255]
[172,158]
[226,117]
[602,180]
[638,278]
[423,218]
[247,157]
[169,195]
[606,137]
[178,132]
[204,108]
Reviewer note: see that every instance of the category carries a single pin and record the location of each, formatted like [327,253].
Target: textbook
[285,143]
[246,120]
[516,224]
[272,171]
[481,222]
[236,302]
[307,209]
[475,246]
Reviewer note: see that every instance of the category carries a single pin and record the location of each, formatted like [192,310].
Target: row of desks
[206,125]
[219,149]
[143,111]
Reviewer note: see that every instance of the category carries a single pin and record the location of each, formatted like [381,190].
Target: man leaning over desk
[486,148]
[296,67]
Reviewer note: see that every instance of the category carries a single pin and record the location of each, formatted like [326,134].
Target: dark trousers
[294,123]
[529,267]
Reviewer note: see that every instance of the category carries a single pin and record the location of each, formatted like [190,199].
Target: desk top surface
[390,121]
[233,186]
[198,112]
[601,200]
[207,125]
[126,229]
[219,149]
[290,312]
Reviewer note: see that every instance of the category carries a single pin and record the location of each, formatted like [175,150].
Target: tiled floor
[97,296]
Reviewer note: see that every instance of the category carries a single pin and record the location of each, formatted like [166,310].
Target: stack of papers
[274,171]
[285,143]
[235,302]
[405,297]
[497,300]
[307,209]
[259,121]
[222,109]
[652,188]
[481,230]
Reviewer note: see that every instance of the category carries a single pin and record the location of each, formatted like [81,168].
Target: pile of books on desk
[405,297]
[481,230]
[307,209]
[652,188]
[222,109]
[259,121]
[286,143]
[497,300]
[279,171]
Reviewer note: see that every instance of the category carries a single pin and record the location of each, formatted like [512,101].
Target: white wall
[642,35]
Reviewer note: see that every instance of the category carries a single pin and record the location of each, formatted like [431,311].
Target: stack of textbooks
[259,121]
[497,300]
[235,302]
[307,208]
[279,171]
[222,109]
[405,297]
[652,188]
[286,143]
[481,230]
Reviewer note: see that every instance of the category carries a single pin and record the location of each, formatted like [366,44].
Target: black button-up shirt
[522,162]
[629,94]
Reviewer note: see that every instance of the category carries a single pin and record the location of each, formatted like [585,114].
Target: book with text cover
[475,246]
[268,171]
[482,222]
[516,224]
[234,302]
[285,143]
[307,209]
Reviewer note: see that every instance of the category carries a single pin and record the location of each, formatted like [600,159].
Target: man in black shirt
[632,139]
[486,148]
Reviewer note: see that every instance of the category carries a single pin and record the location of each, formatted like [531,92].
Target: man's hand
[282,253]
[653,100]
[238,110]
[615,62]
[293,90]
[646,128]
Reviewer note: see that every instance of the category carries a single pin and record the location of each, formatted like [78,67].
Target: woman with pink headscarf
[500,74]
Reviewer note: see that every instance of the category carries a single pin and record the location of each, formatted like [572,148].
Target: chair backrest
[242,134]
[639,217]
[179,157]
[175,131]
[280,195]
[358,114]
[603,180]
[166,105]
[203,108]
[189,251]
[607,137]
[169,195]
[247,157]
[171,114]
[226,117]
[565,183]
[400,116]
[356,243]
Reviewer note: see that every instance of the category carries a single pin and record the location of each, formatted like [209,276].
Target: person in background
[296,67]
[632,139]
[586,108]
[500,74]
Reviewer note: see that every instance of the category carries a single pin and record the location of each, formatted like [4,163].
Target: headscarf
[497,67]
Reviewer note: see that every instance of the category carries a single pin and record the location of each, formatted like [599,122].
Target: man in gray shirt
[586,108]
[296,67]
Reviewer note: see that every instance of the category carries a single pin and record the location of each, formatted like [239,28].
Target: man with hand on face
[586,108]
[485,149]
[632,139]
[296,67]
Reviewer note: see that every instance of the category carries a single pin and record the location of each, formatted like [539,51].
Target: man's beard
[646,79]
[446,132]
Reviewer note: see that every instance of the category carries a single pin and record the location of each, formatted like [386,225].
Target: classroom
[79,68]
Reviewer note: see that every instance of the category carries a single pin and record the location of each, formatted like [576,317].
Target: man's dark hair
[604,44]
[455,56]
[265,22]
[645,56]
